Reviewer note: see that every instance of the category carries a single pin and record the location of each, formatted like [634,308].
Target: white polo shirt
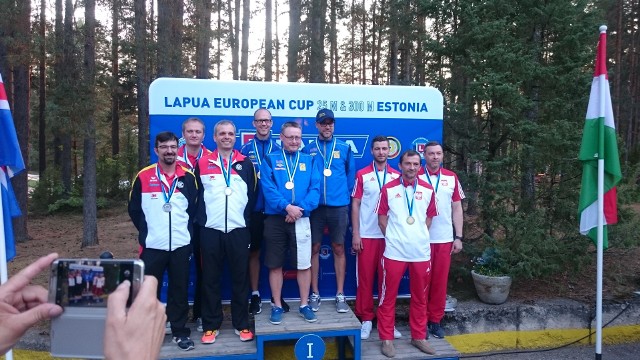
[448,189]
[404,241]
[367,189]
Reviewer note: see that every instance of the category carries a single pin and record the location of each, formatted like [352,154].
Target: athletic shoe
[314,301]
[245,335]
[388,349]
[167,328]
[365,331]
[184,343]
[396,333]
[423,345]
[341,304]
[276,315]
[209,336]
[285,306]
[450,304]
[307,314]
[436,330]
[199,325]
[256,305]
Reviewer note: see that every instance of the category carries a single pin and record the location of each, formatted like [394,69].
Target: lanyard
[255,148]
[437,180]
[384,176]
[327,164]
[163,180]
[409,204]
[226,172]
[186,157]
[295,165]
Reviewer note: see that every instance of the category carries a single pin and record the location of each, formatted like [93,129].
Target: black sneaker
[285,306]
[436,330]
[184,343]
[256,305]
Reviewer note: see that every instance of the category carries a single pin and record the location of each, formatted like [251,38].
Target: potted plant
[491,277]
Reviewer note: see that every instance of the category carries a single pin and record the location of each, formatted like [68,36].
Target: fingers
[117,301]
[24,277]
[27,319]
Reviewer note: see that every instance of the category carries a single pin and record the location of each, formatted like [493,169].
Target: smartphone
[81,287]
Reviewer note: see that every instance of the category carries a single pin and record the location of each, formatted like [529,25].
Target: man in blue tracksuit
[338,175]
[256,149]
[290,183]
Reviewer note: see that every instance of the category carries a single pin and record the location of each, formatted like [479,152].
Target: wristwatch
[457,237]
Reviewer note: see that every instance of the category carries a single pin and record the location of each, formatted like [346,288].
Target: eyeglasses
[294,138]
[262,121]
[326,124]
[167,147]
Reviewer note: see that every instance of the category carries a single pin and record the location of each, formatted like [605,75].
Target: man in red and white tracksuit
[405,210]
[445,232]
[227,183]
[367,240]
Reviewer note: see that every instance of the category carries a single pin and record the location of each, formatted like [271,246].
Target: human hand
[123,337]
[294,211]
[289,219]
[23,305]
[457,246]
[356,243]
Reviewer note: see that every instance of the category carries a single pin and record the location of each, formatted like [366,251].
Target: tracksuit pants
[392,271]
[367,266]
[176,262]
[437,295]
[216,247]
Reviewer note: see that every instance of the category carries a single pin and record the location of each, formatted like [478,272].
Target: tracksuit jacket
[158,229]
[264,147]
[332,188]
[215,209]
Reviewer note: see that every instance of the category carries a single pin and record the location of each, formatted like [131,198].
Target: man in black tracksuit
[162,206]
[227,183]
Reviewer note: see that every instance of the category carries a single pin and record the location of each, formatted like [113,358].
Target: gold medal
[288,185]
[327,172]
[410,220]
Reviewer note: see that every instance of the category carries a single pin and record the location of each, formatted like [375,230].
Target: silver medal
[228,191]
[288,185]
[327,172]
[166,207]
[410,220]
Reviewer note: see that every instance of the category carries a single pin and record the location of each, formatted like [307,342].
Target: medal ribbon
[437,180]
[186,157]
[255,148]
[295,165]
[384,176]
[163,182]
[333,148]
[409,204]
[226,172]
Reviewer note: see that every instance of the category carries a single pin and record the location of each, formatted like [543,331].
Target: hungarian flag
[599,143]
[11,163]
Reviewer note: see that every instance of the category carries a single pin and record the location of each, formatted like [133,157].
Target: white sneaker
[366,330]
[396,334]
[167,328]
[199,327]
[450,304]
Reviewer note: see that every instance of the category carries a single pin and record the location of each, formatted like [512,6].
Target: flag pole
[4,276]
[603,86]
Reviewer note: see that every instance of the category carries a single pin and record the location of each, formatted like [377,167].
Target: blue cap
[324,114]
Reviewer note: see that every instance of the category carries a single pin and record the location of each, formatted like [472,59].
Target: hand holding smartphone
[82,287]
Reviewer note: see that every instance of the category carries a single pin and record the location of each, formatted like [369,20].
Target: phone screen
[88,283]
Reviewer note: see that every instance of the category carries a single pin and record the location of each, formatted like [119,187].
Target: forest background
[515,76]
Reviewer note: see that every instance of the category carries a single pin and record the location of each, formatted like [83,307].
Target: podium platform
[404,349]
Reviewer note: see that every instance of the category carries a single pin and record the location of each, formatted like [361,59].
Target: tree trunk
[69,78]
[233,37]
[268,41]
[170,18]
[115,80]
[246,18]
[203,41]
[295,13]
[42,92]
[316,59]
[219,38]
[58,67]
[333,38]
[277,50]
[142,82]
[89,207]
[21,95]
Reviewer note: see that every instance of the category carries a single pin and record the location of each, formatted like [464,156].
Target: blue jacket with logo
[274,176]
[249,150]
[335,190]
